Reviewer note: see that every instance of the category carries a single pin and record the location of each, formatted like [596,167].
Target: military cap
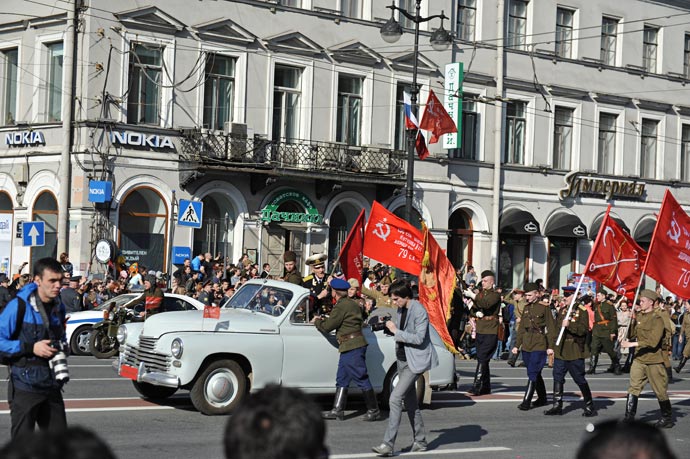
[651,294]
[76,279]
[289,255]
[488,273]
[354,283]
[586,299]
[316,260]
[518,290]
[602,291]
[207,282]
[531,287]
[385,281]
[339,284]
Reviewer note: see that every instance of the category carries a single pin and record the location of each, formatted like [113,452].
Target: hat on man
[317,260]
[76,279]
[354,283]
[651,294]
[150,278]
[531,287]
[518,290]
[339,284]
[3,278]
[289,256]
[207,282]
[602,290]
[488,273]
[586,299]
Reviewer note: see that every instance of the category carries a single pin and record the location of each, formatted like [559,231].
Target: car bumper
[141,374]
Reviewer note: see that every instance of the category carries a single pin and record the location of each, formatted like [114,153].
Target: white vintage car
[262,336]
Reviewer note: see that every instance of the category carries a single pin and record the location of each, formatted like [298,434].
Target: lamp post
[440,40]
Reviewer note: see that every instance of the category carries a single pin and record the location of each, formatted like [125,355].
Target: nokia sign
[100,191]
[23,138]
[137,139]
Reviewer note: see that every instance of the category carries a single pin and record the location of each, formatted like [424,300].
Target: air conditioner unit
[239,129]
[20,173]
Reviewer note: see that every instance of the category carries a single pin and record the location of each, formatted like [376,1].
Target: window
[561,260]
[686,57]
[649,48]
[609,35]
[400,140]
[294,3]
[564,32]
[467,17]
[9,92]
[607,143]
[351,8]
[55,56]
[286,101]
[218,90]
[517,24]
[648,149]
[349,116]
[685,154]
[515,133]
[409,6]
[470,130]
[562,137]
[145,66]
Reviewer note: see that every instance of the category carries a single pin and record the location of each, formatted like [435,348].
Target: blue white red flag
[412,123]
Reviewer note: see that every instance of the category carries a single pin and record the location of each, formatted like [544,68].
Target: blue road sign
[180,253]
[190,213]
[33,234]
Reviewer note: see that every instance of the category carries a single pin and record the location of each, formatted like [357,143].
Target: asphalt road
[488,427]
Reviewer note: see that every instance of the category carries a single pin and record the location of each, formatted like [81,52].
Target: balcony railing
[229,150]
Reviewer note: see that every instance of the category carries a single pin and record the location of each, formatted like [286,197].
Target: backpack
[21,310]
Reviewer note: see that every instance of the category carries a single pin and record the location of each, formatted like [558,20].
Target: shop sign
[22,138]
[180,254]
[577,184]
[138,139]
[311,213]
[452,102]
[100,191]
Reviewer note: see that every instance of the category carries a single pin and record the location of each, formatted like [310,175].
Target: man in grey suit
[415,355]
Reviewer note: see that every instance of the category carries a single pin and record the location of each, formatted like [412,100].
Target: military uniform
[605,325]
[518,307]
[569,357]
[487,304]
[381,299]
[294,276]
[346,319]
[536,334]
[317,285]
[685,332]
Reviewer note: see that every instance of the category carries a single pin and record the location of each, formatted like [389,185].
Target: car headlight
[122,334]
[176,348]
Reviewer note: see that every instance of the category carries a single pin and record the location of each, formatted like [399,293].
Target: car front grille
[144,352]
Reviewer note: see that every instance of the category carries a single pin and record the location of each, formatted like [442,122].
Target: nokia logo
[25,138]
[137,139]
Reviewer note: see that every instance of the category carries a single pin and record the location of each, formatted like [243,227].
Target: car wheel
[101,345]
[152,392]
[79,341]
[220,388]
[392,380]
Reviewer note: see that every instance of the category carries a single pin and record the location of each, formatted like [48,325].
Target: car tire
[101,345]
[390,382]
[219,388]
[79,341]
[151,392]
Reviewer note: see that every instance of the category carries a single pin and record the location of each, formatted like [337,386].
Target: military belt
[603,322]
[487,318]
[344,338]
[535,330]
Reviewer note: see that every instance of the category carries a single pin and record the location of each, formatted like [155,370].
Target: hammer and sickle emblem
[674,232]
[381,232]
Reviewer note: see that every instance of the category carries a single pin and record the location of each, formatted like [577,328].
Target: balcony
[226,151]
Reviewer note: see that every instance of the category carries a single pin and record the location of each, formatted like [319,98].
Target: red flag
[436,287]
[668,258]
[420,146]
[392,240]
[436,119]
[351,253]
[616,259]
[211,312]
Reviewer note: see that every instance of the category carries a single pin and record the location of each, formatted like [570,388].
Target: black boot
[666,421]
[630,407]
[557,408]
[485,379]
[476,385]
[527,399]
[541,393]
[338,405]
[373,413]
[681,364]
[589,410]
[512,359]
[669,374]
[593,360]
[617,367]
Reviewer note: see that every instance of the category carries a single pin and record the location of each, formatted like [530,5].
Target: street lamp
[440,40]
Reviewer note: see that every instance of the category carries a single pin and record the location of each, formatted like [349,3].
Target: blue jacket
[30,373]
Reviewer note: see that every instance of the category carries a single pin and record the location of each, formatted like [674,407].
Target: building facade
[285,119]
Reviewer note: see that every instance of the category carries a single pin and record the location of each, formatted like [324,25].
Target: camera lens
[59,365]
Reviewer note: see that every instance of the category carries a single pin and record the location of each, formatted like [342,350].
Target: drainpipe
[498,133]
[67,115]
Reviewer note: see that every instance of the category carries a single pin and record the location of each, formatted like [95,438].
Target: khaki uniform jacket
[518,306]
[537,331]
[649,332]
[295,277]
[345,319]
[382,300]
[572,345]
[489,302]
[604,312]
[685,329]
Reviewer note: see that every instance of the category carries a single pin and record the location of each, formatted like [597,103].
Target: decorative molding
[150,18]
[293,42]
[223,30]
[48,21]
[405,62]
[355,52]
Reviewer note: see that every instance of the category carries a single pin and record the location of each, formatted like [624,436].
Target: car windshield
[116,302]
[261,298]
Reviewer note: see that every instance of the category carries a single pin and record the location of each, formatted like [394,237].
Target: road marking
[100,410]
[434,452]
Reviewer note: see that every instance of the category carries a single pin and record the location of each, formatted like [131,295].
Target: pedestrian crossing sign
[190,213]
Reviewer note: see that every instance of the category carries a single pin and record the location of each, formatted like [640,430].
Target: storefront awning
[565,225]
[594,230]
[516,221]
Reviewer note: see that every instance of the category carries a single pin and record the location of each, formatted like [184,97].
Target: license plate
[130,372]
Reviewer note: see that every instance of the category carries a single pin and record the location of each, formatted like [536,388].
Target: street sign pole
[173,219]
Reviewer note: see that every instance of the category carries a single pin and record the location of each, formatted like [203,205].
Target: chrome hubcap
[221,387]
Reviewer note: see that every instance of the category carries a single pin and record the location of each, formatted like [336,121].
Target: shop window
[562,253]
[45,210]
[512,261]
[143,225]
[460,240]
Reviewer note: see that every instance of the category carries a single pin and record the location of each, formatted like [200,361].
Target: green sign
[311,214]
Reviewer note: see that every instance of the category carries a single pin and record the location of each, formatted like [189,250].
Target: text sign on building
[180,254]
[24,138]
[576,184]
[141,140]
[100,191]
[190,213]
[311,214]
[452,101]
[33,234]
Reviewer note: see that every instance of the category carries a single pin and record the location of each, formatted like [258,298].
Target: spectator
[470,275]
[266,273]
[74,443]
[67,267]
[5,296]
[196,262]
[624,440]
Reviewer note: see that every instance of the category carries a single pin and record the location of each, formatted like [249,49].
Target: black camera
[381,324]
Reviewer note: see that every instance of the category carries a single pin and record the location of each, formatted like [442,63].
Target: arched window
[460,240]
[6,228]
[45,210]
[143,224]
[215,234]
[341,222]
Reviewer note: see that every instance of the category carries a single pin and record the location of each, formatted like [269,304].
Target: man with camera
[32,343]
